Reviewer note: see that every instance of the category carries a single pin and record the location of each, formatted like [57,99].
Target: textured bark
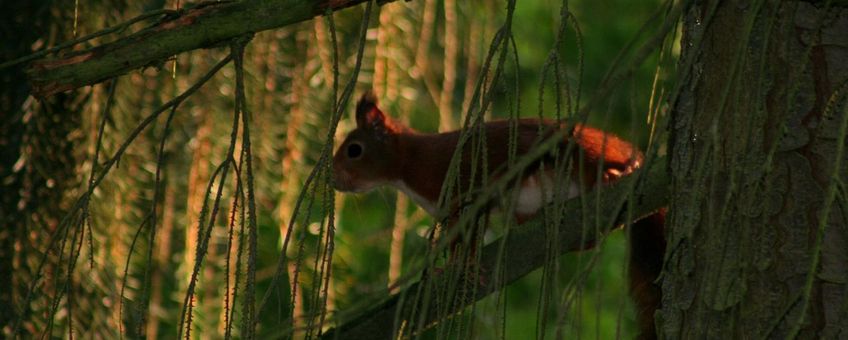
[522,254]
[755,137]
[202,26]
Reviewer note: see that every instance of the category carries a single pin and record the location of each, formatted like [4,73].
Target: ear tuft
[368,115]
[367,102]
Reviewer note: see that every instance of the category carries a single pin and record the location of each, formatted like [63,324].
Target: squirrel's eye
[354,150]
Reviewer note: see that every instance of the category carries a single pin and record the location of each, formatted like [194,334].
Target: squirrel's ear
[367,112]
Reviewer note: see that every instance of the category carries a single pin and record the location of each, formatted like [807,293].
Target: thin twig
[84,198]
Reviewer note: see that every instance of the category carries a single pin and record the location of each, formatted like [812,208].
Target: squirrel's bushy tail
[647,248]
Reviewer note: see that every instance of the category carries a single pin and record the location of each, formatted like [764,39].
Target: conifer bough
[204,25]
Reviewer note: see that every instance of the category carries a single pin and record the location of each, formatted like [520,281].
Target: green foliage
[291,95]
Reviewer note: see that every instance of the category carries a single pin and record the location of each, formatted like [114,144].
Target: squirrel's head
[369,156]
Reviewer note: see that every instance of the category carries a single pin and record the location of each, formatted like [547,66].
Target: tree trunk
[36,159]
[758,244]
[12,94]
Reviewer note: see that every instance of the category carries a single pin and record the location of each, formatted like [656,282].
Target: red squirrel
[383,151]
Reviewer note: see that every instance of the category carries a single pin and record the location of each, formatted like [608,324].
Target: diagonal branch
[204,25]
[647,190]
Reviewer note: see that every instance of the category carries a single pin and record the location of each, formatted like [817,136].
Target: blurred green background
[420,64]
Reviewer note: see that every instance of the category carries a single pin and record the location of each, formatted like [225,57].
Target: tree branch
[650,188]
[204,25]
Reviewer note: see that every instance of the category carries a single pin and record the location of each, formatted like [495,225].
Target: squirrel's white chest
[422,202]
[534,192]
[538,190]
